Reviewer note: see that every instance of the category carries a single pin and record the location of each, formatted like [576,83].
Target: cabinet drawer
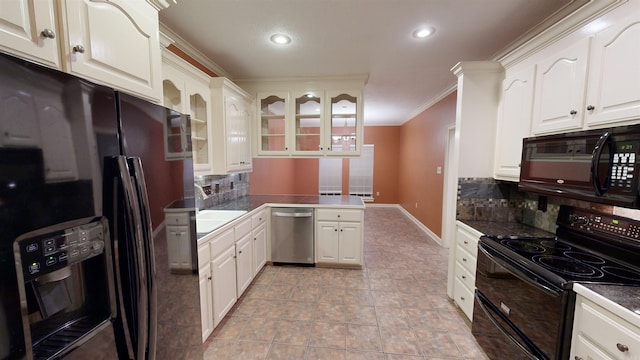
[243,228]
[608,331]
[204,255]
[465,277]
[463,297]
[339,215]
[258,218]
[467,241]
[467,260]
[221,243]
[176,218]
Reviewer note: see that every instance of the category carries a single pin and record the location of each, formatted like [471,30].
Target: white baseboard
[158,229]
[422,227]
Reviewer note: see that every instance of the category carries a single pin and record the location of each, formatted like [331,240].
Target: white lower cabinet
[599,333]
[259,233]
[223,270]
[179,240]
[466,251]
[339,237]
[206,300]
[244,263]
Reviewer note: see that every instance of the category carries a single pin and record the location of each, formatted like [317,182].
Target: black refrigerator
[85,172]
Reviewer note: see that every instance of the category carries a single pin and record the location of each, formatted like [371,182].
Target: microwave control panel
[624,170]
[48,252]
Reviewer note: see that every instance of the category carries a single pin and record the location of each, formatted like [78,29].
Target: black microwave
[600,166]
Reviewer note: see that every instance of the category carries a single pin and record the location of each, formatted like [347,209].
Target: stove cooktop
[567,261]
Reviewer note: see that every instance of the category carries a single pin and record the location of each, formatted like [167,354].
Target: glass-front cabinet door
[308,123]
[272,135]
[344,113]
[199,131]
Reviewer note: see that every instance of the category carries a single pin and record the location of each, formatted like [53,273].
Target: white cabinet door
[223,269]
[259,248]
[514,123]
[350,243]
[244,263]
[115,43]
[18,119]
[272,133]
[28,30]
[328,238]
[179,247]
[206,301]
[614,76]
[560,90]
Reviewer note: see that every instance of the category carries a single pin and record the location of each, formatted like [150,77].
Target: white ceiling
[349,37]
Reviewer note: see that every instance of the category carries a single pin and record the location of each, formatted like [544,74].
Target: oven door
[517,315]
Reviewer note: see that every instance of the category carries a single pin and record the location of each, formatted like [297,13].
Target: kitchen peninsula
[232,254]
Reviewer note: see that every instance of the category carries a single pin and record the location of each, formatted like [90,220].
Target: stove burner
[567,266]
[555,245]
[523,245]
[621,273]
[588,258]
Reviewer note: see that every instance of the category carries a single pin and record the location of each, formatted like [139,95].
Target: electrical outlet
[439,170]
[377,193]
[416,205]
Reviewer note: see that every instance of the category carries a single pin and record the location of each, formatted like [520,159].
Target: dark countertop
[181,205]
[252,202]
[507,229]
[625,296]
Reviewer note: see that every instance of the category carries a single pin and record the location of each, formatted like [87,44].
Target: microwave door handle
[147,237]
[489,309]
[595,161]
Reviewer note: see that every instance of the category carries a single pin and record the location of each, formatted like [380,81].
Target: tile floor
[395,308]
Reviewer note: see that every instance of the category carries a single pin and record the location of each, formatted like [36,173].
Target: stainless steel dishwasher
[292,238]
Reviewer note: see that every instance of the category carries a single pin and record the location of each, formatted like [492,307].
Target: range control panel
[47,252]
[604,223]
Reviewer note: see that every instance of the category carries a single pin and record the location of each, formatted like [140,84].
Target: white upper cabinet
[28,30]
[614,76]
[560,90]
[308,117]
[114,43]
[186,90]
[273,135]
[231,121]
[514,122]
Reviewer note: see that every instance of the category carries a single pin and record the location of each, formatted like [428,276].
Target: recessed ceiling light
[280,39]
[423,32]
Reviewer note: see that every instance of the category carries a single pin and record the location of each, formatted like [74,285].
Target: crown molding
[476,67]
[183,45]
[162,4]
[557,26]
[446,92]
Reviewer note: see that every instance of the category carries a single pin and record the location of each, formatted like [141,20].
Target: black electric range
[524,303]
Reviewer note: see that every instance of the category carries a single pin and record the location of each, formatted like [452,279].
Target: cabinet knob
[577,358]
[465,242]
[48,33]
[335,229]
[240,252]
[208,277]
[341,230]
[78,49]
[462,298]
[591,107]
[622,347]
[464,259]
[338,215]
[573,112]
[464,277]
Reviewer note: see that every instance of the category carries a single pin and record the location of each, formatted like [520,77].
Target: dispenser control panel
[49,251]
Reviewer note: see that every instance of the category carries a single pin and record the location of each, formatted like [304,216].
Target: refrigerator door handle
[135,226]
[147,237]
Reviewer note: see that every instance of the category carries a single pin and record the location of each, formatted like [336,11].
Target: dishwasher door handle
[296,215]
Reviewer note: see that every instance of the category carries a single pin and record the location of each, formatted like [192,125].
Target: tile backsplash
[224,188]
[487,199]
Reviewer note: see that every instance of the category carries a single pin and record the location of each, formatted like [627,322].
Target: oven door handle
[600,186]
[528,348]
[535,281]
